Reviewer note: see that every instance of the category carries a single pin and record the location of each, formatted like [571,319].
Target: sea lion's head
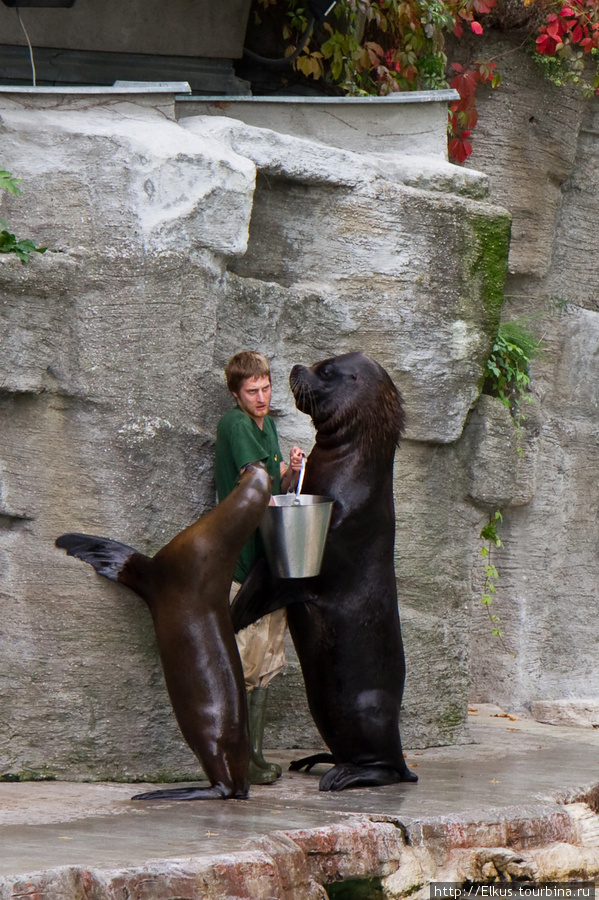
[255,480]
[350,397]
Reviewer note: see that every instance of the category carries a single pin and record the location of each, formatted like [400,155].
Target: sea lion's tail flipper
[307,762]
[108,557]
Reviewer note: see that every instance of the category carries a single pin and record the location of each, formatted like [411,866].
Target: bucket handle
[300,481]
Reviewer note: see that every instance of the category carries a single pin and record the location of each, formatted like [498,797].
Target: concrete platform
[510,790]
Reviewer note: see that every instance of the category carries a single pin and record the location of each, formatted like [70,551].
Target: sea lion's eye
[327,372]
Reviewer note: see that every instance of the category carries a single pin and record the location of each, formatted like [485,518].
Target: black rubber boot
[260,771]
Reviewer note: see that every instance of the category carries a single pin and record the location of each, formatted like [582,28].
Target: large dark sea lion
[186,586]
[345,622]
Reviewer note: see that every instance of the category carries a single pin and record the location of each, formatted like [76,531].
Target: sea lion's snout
[300,388]
[257,474]
[296,377]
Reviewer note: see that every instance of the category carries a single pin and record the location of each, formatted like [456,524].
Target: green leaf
[489,532]
[21,248]
[8,182]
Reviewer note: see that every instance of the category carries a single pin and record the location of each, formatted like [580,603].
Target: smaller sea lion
[186,587]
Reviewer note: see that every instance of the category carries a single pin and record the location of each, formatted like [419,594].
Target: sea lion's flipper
[261,593]
[214,792]
[107,557]
[308,761]
[348,775]
[254,596]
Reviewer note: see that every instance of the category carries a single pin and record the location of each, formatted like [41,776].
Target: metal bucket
[294,534]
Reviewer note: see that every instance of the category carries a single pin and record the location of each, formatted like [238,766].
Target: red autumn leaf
[457,29]
[546,45]
[471,117]
[577,34]
[460,150]
[464,84]
[476,27]
[464,103]
[484,6]
[554,30]
[457,67]
[566,11]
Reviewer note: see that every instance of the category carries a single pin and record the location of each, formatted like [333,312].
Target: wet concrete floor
[510,763]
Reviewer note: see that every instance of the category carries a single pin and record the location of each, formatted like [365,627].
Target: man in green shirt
[244,435]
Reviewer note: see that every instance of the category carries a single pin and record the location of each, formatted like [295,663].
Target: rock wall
[539,145]
[171,246]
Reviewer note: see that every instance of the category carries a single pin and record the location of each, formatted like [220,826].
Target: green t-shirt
[239,441]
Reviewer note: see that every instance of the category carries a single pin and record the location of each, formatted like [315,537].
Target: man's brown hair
[246,364]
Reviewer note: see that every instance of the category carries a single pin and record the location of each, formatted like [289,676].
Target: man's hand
[290,473]
[295,458]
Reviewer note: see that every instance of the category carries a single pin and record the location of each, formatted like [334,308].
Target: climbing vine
[492,542]
[568,44]
[491,539]
[507,375]
[370,47]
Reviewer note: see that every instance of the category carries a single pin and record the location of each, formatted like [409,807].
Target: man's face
[254,398]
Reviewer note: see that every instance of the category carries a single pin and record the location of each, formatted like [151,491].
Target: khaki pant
[261,646]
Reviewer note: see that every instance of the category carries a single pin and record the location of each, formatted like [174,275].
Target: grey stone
[538,144]
[584,713]
[529,158]
[500,459]
[296,158]
[166,256]
[482,808]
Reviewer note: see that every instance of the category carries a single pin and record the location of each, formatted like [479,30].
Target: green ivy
[22,248]
[492,542]
[9,183]
[506,374]
[10,243]
[491,538]
[507,377]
